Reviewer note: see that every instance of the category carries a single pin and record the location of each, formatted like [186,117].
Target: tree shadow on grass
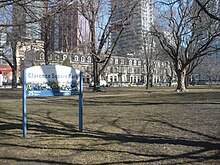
[200,147]
[193,156]
[127,103]
[101,103]
[26,160]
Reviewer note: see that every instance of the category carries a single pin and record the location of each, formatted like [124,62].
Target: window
[135,62]
[64,57]
[122,62]
[57,57]
[82,59]
[41,56]
[111,70]
[50,57]
[89,59]
[111,79]
[111,61]
[76,58]
[139,63]
[130,62]
[116,61]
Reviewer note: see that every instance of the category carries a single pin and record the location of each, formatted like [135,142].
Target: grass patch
[121,126]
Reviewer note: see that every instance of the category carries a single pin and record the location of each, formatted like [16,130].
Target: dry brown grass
[121,126]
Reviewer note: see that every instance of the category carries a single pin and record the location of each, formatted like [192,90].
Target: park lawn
[121,126]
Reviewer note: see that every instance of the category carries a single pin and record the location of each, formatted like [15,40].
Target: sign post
[81,104]
[24,101]
[1,79]
[49,80]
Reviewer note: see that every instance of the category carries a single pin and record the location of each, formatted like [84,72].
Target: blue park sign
[52,80]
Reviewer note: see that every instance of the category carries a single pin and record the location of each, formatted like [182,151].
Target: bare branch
[204,8]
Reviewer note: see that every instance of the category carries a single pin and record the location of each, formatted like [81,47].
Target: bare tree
[10,59]
[150,57]
[12,13]
[57,21]
[204,6]
[186,36]
[168,63]
[93,10]
[21,17]
[209,70]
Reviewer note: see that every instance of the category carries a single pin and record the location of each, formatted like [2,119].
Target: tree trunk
[148,80]
[14,66]
[148,73]
[151,80]
[187,81]
[14,77]
[46,46]
[94,74]
[46,59]
[170,81]
[181,75]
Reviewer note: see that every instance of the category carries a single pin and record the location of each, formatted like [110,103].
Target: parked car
[103,83]
[125,84]
[164,84]
[174,84]
[115,84]
[139,83]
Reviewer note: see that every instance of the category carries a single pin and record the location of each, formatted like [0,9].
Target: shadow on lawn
[126,103]
[101,103]
[200,148]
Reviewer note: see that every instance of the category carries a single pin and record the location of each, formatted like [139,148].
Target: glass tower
[136,27]
[27,15]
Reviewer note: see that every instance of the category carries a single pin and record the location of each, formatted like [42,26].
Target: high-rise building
[70,30]
[137,26]
[64,27]
[212,26]
[3,37]
[208,70]
[27,16]
[215,9]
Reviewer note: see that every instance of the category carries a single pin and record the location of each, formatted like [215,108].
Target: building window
[111,61]
[87,68]
[111,79]
[41,56]
[135,62]
[64,57]
[89,59]
[122,62]
[130,62]
[111,70]
[82,59]
[50,57]
[135,80]
[116,61]
[57,57]
[76,58]
[139,63]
